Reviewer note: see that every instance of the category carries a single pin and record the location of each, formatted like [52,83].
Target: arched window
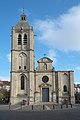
[19,39]
[24,18]
[22,61]
[22,82]
[65,88]
[25,39]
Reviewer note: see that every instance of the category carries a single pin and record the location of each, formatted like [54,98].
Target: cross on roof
[23,10]
[44,55]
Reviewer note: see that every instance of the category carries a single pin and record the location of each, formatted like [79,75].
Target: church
[43,84]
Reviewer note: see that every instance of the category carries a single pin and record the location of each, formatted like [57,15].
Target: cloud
[4,78]
[9,57]
[62,33]
[77,83]
[77,68]
[74,67]
[52,55]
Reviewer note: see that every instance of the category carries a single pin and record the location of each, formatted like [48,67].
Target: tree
[77,97]
[4,96]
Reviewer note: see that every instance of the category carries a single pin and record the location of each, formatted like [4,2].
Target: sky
[57,26]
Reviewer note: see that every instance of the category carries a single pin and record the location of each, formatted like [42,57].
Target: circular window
[45,79]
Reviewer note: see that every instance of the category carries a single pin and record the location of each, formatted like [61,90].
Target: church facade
[43,84]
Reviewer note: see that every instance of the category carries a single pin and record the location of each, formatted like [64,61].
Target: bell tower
[22,62]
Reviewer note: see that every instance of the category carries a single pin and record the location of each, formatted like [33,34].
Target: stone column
[54,90]
[72,97]
[59,88]
[31,97]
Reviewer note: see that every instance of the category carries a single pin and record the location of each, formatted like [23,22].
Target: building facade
[43,84]
[5,85]
[77,88]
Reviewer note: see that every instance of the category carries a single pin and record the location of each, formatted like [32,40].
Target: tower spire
[23,16]
[23,10]
[44,55]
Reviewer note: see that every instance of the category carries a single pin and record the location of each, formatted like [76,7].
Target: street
[67,114]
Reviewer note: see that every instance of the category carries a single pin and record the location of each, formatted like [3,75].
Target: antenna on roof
[23,10]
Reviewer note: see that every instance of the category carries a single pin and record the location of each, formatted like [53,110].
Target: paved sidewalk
[37,107]
[4,107]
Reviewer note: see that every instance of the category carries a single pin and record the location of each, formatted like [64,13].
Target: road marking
[16,108]
[47,107]
[21,107]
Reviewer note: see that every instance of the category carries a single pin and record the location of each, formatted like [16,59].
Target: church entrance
[45,94]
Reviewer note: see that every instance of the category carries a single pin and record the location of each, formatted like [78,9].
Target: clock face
[45,79]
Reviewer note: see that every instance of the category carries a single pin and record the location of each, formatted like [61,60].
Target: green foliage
[4,96]
[77,97]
